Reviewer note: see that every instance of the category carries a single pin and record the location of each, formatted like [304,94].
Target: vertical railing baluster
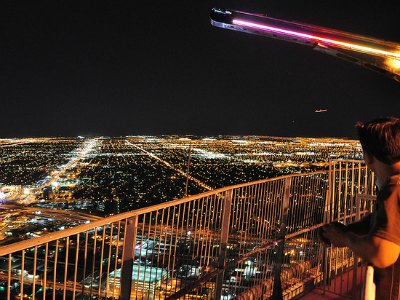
[355,262]
[277,288]
[128,257]
[45,271]
[34,274]
[101,261]
[85,261]
[55,270]
[173,240]
[328,215]
[76,267]
[226,216]
[114,279]
[93,260]
[66,268]
[9,277]
[22,274]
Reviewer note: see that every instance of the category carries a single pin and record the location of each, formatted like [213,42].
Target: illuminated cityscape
[49,184]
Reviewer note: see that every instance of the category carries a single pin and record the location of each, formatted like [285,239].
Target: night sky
[117,68]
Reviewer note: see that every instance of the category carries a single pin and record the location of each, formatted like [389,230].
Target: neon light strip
[317,38]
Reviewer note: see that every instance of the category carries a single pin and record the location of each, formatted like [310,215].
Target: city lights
[107,176]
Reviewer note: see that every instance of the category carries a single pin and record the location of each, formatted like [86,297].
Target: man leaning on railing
[376,238]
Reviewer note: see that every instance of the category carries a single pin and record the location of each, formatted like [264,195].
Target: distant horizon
[179,135]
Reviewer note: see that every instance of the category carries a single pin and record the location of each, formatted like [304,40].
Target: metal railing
[345,272]
[352,197]
[253,240]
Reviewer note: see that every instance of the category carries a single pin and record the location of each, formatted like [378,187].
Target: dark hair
[381,138]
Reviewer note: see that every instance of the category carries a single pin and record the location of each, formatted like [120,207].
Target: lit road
[83,151]
[44,213]
[53,212]
[13,142]
[181,172]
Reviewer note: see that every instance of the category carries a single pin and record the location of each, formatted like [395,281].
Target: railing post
[355,258]
[127,259]
[226,218]
[277,293]
[328,216]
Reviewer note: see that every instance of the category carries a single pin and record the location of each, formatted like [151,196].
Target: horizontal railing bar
[347,161]
[18,246]
[308,229]
[234,263]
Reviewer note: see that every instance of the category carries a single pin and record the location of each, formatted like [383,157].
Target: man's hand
[334,233]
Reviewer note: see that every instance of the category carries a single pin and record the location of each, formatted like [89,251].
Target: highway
[83,151]
[52,212]
[181,172]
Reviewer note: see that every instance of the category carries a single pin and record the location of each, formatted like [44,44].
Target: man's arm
[380,252]
[360,227]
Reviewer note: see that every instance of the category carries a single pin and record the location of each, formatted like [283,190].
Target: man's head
[381,138]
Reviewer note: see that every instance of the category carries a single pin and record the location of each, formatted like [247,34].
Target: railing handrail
[53,236]
[336,160]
